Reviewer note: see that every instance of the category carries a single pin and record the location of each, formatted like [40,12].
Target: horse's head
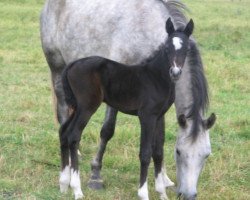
[177,46]
[191,154]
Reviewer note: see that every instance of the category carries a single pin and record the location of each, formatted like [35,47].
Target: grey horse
[128,31]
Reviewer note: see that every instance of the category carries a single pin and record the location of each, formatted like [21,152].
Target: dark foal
[145,90]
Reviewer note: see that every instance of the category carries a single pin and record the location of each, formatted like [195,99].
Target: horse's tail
[69,95]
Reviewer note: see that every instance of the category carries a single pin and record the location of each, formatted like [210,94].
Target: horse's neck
[183,91]
[55,7]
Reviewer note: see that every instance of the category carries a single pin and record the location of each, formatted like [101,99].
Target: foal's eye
[178,152]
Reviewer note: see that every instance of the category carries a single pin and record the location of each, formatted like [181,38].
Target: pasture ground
[29,148]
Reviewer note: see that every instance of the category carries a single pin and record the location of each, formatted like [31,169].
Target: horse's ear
[208,123]
[182,120]
[169,26]
[189,28]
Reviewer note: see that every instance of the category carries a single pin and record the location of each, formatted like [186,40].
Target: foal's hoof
[96,184]
[172,188]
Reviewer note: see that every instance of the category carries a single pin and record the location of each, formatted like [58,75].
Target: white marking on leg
[160,186]
[166,179]
[161,182]
[79,153]
[75,184]
[69,161]
[143,192]
[177,42]
[64,179]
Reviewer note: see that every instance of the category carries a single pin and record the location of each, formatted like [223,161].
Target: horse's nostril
[193,197]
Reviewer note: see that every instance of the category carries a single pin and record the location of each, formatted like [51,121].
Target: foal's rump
[89,81]
[79,76]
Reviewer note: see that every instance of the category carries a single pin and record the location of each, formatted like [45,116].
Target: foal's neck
[159,65]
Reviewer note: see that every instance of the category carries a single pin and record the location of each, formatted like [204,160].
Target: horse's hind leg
[107,133]
[57,64]
[161,179]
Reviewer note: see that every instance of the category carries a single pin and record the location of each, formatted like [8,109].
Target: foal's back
[95,79]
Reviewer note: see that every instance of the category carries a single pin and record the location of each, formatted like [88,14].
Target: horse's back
[126,31]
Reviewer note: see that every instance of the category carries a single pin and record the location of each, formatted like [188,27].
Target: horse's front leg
[161,179]
[147,135]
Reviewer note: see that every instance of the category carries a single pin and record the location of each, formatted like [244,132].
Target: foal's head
[177,46]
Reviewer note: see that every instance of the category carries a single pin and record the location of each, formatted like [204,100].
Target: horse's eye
[178,152]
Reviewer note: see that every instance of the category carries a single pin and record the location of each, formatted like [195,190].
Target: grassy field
[29,148]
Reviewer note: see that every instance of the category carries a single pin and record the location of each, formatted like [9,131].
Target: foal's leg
[107,133]
[64,180]
[147,136]
[74,136]
[161,178]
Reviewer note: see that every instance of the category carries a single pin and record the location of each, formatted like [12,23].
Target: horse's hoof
[170,185]
[96,184]
[79,195]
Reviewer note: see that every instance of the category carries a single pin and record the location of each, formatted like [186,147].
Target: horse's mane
[199,89]
[176,10]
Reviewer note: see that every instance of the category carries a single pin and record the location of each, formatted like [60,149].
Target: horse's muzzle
[175,73]
[184,197]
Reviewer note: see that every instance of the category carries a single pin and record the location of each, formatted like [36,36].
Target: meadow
[29,146]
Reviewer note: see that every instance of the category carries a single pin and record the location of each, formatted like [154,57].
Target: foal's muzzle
[175,73]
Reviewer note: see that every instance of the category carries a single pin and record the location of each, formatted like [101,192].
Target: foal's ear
[182,121]
[189,28]
[208,123]
[169,26]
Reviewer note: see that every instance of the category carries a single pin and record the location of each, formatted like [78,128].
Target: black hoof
[96,184]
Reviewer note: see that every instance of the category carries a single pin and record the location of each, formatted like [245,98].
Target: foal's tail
[69,95]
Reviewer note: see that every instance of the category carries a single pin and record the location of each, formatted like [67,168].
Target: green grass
[29,147]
